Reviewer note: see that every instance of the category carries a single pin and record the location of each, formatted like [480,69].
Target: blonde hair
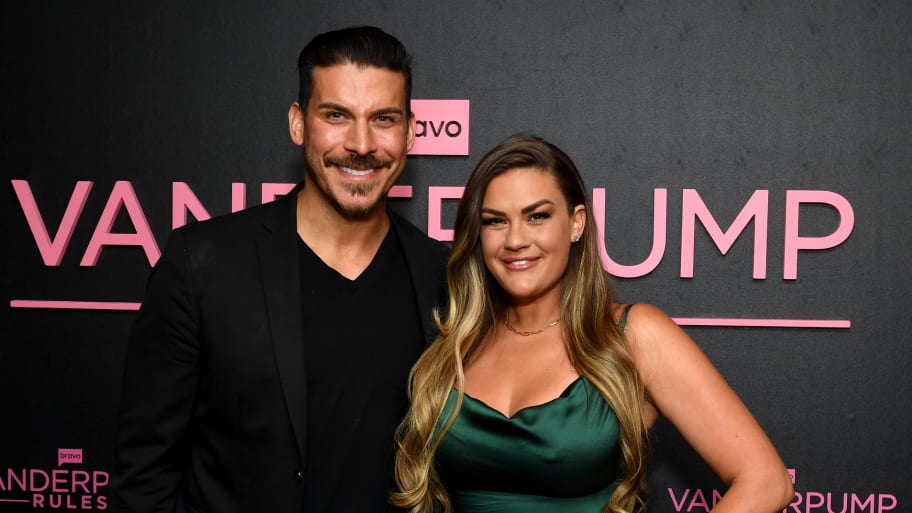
[595,344]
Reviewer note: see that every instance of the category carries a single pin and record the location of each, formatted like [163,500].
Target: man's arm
[159,388]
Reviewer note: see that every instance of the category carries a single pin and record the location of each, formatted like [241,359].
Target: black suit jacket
[214,403]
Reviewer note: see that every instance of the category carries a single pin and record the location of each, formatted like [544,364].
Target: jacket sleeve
[159,388]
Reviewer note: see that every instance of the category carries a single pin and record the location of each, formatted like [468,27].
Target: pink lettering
[756,208]
[33,486]
[795,242]
[868,502]
[86,502]
[400,191]
[183,200]
[101,502]
[58,481]
[678,504]
[659,230]
[79,479]
[99,479]
[185,204]
[797,502]
[813,500]
[436,195]
[880,502]
[271,191]
[69,456]
[442,127]
[698,500]
[11,478]
[52,250]
[238,196]
[717,496]
[38,501]
[845,503]
[122,195]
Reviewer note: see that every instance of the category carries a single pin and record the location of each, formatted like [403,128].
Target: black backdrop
[706,101]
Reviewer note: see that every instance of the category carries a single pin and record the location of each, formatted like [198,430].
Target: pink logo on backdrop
[76,488]
[442,127]
[69,456]
[805,501]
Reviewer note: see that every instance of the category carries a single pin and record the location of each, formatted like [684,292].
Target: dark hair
[361,45]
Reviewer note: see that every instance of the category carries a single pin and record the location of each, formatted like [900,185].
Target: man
[267,369]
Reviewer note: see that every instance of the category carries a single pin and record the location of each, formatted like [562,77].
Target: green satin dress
[563,456]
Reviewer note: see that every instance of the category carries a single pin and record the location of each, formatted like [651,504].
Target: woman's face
[526,233]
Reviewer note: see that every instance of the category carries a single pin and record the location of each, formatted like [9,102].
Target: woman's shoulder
[645,324]
[631,314]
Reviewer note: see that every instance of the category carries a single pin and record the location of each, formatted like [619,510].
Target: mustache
[356,162]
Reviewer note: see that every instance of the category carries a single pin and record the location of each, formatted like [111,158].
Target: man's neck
[346,245]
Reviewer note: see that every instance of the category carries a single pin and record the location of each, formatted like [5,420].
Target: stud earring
[576,239]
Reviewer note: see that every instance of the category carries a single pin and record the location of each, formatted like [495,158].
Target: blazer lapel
[278,261]
[427,272]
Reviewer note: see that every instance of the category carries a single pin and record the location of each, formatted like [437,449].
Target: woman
[540,391]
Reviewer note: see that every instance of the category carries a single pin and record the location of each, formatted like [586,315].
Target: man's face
[355,134]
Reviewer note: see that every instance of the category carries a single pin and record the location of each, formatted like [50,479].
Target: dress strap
[622,323]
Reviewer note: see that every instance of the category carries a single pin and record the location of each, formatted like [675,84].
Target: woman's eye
[538,217]
[491,221]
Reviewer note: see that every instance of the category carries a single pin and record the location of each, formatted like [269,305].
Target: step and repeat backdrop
[749,163]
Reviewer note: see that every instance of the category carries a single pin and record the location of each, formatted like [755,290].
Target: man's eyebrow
[343,108]
[333,106]
[389,110]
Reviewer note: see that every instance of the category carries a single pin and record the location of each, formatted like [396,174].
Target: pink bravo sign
[443,127]
[69,456]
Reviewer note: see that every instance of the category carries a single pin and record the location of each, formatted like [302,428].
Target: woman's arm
[685,387]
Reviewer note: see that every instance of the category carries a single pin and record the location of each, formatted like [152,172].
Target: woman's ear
[577,222]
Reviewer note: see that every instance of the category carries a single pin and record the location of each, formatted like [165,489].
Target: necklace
[528,333]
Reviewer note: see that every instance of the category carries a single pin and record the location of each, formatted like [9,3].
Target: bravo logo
[57,488]
[442,127]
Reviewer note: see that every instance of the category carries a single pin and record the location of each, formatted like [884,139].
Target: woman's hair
[594,342]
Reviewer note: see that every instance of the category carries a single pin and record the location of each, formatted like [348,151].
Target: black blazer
[214,401]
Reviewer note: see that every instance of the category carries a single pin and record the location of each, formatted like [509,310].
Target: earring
[576,239]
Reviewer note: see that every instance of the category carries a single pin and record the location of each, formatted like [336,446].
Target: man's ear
[412,130]
[296,123]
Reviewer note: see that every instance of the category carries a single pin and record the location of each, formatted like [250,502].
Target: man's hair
[362,46]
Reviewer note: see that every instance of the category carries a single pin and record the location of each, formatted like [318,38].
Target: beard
[355,189]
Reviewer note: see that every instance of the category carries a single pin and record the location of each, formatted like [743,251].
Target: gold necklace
[527,333]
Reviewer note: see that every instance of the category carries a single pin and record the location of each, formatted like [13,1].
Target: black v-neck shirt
[361,338]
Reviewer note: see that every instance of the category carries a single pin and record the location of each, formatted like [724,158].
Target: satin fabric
[560,456]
